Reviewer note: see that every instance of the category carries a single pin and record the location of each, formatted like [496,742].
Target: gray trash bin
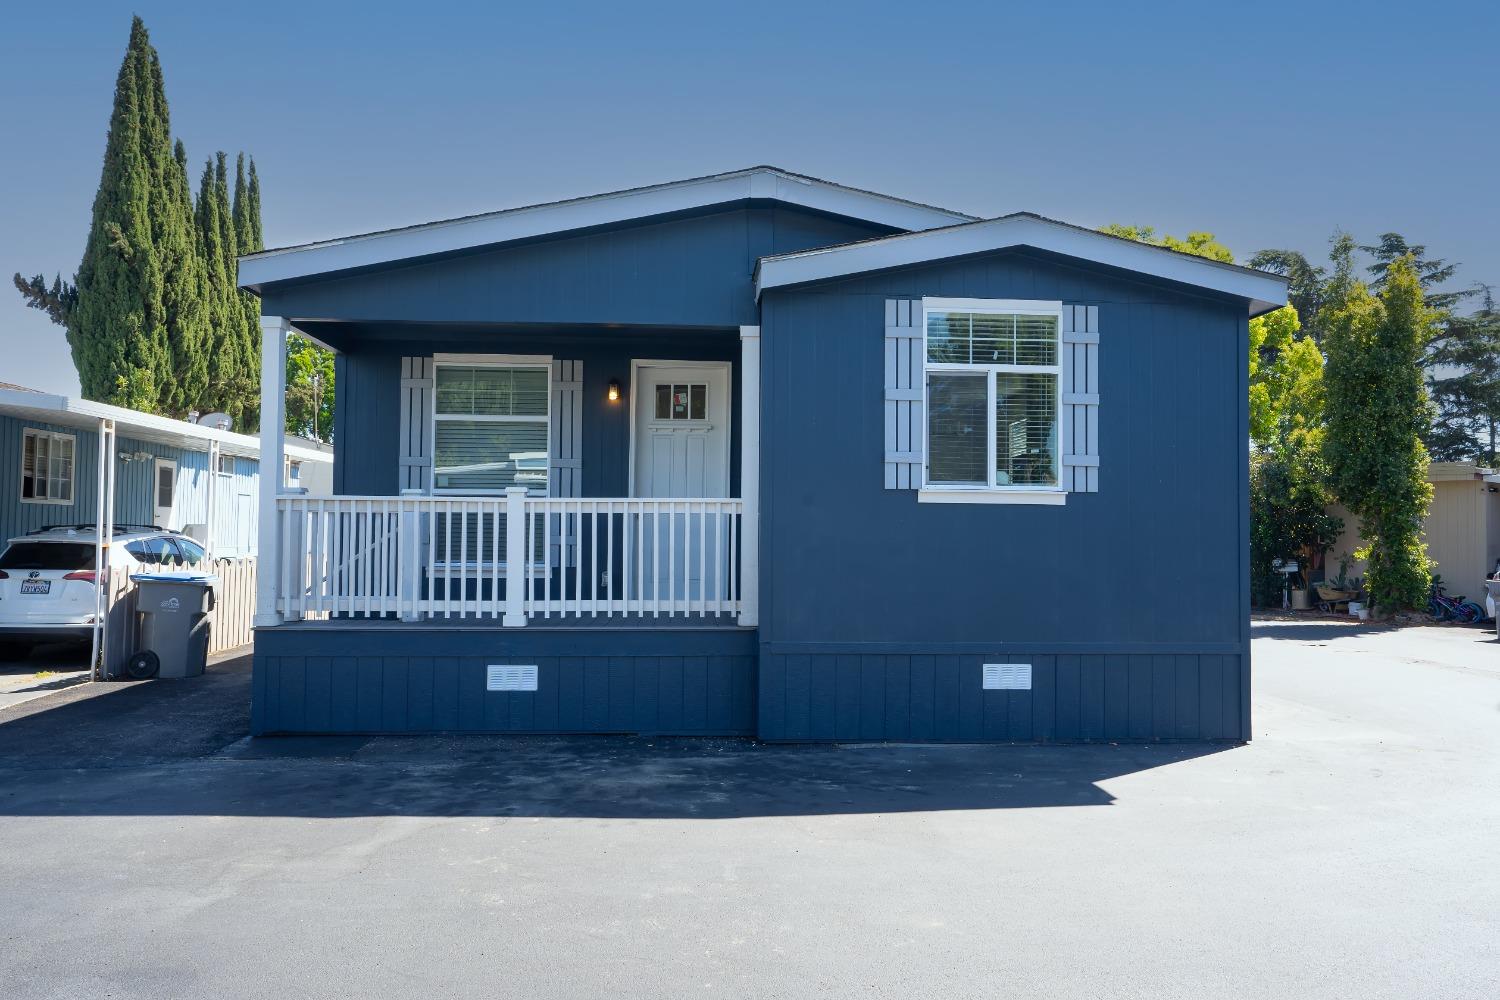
[174,626]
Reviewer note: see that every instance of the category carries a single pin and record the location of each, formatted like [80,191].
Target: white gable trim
[1265,291]
[765,183]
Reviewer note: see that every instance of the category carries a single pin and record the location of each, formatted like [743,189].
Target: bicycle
[1443,608]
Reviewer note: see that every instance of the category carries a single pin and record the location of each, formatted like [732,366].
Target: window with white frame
[490,427]
[47,466]
[993,383]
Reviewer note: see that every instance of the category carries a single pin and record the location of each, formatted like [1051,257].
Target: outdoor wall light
[614,390]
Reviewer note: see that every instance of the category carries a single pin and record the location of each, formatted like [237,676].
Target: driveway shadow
[178,748]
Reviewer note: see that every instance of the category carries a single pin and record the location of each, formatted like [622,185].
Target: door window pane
[956,428]
[663,402]
[698,402]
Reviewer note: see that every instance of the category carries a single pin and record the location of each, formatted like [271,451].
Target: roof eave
[557,218]
[1262,291]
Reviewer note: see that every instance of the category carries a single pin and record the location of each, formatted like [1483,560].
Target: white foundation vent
[1007,677]
[511,677]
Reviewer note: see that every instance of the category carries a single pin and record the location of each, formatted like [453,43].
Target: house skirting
[939,696]
[380,679]
[389,677]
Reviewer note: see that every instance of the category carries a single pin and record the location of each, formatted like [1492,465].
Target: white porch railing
[422,557]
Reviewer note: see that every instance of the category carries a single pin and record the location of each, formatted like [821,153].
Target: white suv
[47,577]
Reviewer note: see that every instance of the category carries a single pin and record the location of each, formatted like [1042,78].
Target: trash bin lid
[175,577]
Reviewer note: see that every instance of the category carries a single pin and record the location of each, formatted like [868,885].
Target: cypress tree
[247,228]
[222,320]
[116,314]
[184,295]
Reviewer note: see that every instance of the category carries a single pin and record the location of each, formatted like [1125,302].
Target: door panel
[681,424]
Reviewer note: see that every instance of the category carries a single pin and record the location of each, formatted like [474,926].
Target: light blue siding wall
[17,517]
[134,488]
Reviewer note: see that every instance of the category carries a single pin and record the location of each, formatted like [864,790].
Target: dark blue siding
[366,427]
[1130,603]
[692,681]
[677,272]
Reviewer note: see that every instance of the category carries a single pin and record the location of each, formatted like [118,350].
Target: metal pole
[106,448]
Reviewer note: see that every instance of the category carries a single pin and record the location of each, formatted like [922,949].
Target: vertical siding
[1128,638]
[680,272]
[134,487]
[939,697]
[366,431]
[668,682]
[18,517]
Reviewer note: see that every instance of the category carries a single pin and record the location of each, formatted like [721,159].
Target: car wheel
[142,665]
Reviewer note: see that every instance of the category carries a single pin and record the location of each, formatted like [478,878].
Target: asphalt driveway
[1351,850]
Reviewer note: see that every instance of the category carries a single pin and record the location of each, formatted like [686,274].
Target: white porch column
[515,558]
[750,474]
[273,332]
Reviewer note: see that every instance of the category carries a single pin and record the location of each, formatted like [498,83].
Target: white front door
[681,448]
[164,492]
[681,431]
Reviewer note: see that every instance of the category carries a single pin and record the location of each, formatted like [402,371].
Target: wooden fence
[229,622]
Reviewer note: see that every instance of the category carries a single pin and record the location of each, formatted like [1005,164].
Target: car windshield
[48,555]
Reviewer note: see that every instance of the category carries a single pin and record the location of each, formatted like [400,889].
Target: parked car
[47,578]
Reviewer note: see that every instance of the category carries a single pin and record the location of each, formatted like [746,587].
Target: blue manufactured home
[759,454]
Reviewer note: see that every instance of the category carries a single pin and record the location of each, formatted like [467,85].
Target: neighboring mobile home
[169,473]
[1462,530]
[760,454]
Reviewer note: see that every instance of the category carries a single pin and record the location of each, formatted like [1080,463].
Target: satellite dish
[218,421]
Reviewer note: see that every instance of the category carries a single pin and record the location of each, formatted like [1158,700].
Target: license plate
[36,586]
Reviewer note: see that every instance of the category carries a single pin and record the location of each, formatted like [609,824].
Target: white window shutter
[565,464]
[905,436]
[415,453]
[1080,399]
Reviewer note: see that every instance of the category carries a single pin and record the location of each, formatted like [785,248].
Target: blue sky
[1270,124]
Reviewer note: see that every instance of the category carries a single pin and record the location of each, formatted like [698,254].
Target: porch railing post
[273,333]
[411,553]
[750,475]
[515,557]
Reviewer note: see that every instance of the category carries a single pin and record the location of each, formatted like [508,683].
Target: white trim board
[1264,291]
[757,183]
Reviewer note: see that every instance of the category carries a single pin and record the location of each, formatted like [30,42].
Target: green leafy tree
[1468,401]
[309,389]
[1197,244]
[1377,412]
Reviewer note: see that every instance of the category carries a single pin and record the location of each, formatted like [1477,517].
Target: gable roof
[1263,290]
[761,183]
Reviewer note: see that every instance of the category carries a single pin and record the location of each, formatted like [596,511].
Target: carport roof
[65,411]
